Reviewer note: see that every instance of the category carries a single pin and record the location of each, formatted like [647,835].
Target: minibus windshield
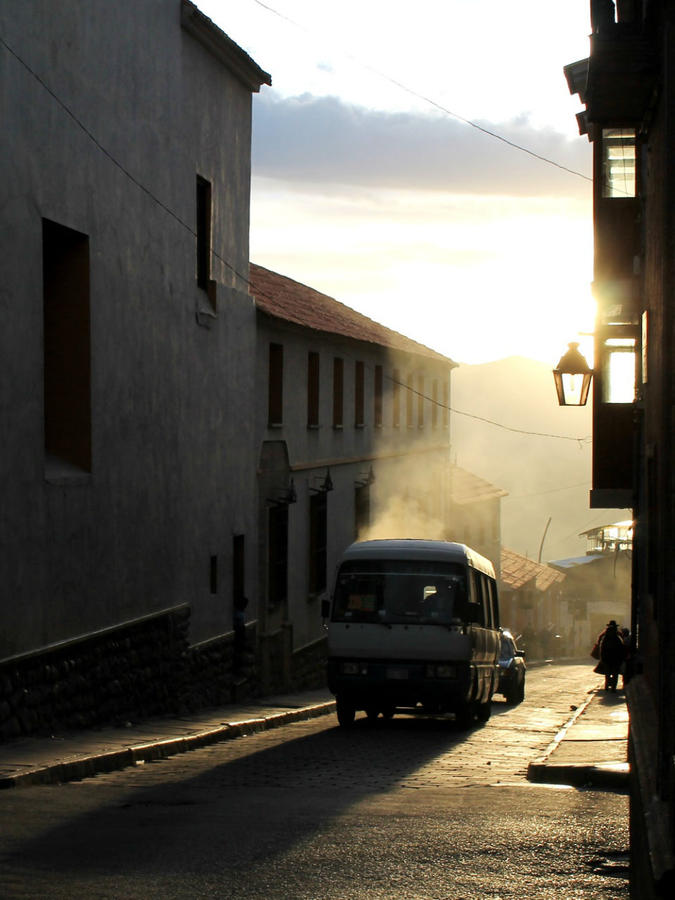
[400,592]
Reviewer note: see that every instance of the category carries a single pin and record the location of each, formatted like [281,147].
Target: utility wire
[561,437]
[113,160]
[242,277]
[567,487]
[408,90]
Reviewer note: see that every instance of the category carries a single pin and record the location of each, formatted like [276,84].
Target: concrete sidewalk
[81,754]
[590,750]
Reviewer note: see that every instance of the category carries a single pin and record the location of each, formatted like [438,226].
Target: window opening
[396,399]
[275,385]
[203,233]
[277,555]
[338,392]
[359,387]
[618,162]
[213,574]
[377,410]
[66,344]
[313,390]
[238,566]
[409,402]
[318,528]
[619,370]
[420,401]
[361,510]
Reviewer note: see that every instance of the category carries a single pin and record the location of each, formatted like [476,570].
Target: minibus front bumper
[396,683]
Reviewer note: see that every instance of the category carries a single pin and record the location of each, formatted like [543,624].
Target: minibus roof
[409,548]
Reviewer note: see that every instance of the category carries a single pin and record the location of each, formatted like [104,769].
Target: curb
[612,776]
[112,760]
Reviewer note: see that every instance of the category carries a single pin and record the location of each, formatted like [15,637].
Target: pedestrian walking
[612,654]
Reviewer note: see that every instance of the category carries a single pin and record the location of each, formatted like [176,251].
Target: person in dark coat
[612,655]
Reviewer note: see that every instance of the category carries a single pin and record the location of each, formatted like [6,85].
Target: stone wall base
[146,668]
[129,672]
[308,666]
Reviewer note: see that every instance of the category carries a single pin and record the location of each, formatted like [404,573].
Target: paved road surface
[412,808]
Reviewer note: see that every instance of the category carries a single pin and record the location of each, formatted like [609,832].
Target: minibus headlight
[445,671]
[353,668]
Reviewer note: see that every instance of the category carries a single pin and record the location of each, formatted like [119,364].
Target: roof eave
[576,74]
[390,348]
[239,63]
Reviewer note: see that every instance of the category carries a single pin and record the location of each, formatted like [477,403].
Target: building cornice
[236,60]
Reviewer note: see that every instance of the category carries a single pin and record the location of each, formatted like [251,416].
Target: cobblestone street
[406,808]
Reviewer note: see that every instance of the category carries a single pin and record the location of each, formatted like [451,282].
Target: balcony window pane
[619,371]
[618,176]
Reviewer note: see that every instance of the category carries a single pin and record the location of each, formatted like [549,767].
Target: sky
[369,184]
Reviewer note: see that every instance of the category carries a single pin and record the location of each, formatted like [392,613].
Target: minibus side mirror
[325,607]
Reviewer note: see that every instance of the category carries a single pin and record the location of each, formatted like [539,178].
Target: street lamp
[572,377]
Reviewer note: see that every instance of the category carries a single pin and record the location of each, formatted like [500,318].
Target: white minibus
[413,627]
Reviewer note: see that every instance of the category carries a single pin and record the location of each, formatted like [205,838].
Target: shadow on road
[328,771]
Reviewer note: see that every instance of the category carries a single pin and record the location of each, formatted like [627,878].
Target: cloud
[326,141]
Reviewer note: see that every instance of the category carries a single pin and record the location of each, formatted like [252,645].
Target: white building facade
[354,442]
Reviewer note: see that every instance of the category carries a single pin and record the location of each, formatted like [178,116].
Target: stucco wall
[410,464]
[172,476]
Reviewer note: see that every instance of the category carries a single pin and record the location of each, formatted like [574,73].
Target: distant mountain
[545,476]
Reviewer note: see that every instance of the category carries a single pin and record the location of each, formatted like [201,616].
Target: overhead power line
[439,106]
[458,412]
[113,159]
[567,487]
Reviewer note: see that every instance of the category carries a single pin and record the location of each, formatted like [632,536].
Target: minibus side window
[494,602]
[487,606]
[476,612]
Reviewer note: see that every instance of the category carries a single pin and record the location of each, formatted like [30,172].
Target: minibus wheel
[345,712]
[484,711]
[464,715]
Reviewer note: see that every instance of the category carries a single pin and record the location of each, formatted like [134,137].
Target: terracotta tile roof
[517,571]
[281,297]
[465,487]
[547,577]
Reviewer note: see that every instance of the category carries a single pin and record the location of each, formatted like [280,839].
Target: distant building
[475,513]
[598,585]
[532,608]
[610,538]
[596,589]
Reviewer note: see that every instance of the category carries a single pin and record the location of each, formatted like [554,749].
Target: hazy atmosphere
[300,596]
[448,228]
[368,188]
